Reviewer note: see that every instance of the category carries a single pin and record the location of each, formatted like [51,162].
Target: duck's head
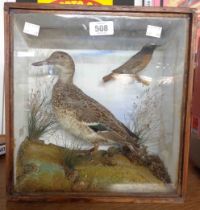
[62,62]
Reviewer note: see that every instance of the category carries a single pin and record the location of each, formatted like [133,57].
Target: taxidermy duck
[134,65]
[85,118]
[81,115]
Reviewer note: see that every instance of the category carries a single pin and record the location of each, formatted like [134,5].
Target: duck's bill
[40,63]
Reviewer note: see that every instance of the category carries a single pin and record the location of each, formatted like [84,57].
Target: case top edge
[114,8]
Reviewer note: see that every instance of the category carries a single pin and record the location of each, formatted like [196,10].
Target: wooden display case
[98,102]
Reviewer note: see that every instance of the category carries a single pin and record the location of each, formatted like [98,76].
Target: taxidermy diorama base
[46,168]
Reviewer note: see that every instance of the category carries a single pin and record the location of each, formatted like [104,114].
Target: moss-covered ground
[41,168]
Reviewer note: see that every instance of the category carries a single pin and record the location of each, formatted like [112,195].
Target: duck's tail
[108,77]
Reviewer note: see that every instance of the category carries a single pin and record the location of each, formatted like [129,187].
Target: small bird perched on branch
[134,65]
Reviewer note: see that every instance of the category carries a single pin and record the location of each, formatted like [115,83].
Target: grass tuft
[41,120]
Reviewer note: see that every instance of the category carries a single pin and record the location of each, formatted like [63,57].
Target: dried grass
[41,119]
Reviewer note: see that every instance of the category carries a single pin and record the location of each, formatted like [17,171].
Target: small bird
[81,115]
[134,65]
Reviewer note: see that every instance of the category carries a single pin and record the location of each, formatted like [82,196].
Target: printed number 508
[101,28]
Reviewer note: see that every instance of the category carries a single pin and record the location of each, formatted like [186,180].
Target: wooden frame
[96,197]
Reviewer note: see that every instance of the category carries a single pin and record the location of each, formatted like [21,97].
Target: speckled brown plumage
[69,99]
[78,113]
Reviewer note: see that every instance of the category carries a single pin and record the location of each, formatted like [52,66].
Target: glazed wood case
[98,102]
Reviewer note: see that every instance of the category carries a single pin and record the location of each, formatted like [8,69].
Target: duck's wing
[96,116]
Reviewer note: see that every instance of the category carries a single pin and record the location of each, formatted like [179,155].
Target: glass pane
[98,113]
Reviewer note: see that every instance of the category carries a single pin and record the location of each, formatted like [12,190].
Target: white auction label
[154,31]
[31,29]
[102,28]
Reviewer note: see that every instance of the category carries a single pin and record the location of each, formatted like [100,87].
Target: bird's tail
[108,77]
